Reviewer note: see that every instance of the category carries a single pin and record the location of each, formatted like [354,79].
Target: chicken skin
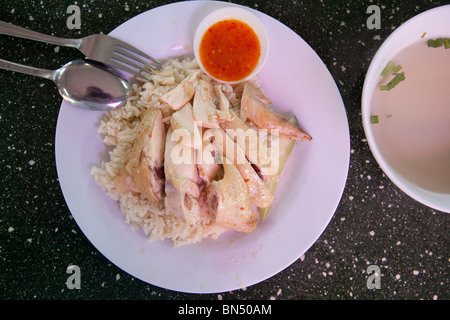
[143,168]
[254,109]
[229,203]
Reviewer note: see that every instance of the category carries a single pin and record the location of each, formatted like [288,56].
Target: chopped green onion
[385,72]
[396,68]
[400,76]
[431,43]
[391,66]
[391,84]
[446,43]
[439,42]
[374,119]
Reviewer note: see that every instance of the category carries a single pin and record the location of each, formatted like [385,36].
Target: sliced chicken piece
[285,147]
[182,182]
[223,105]
[205,110]
[143,168]
[255,143]
[203,106]
[229,203]
[228,149]
[183,92]
[208,167]
[185,127]
[254,108]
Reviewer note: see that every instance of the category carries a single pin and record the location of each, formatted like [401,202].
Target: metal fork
[100,47]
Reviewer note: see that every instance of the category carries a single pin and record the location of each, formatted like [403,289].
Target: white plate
[311,185]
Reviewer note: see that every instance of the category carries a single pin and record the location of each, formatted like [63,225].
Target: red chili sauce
[230,50]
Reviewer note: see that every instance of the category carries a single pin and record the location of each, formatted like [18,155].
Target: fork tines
[132,60]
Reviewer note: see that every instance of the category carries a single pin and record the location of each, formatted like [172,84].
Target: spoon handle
[12,66]
[13,30]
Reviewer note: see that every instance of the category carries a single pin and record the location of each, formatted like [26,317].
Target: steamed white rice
[118,129]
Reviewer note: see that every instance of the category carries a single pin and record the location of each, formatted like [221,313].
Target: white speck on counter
[117,277]
[415,272]
[31,162]
[10,229]
[372,233]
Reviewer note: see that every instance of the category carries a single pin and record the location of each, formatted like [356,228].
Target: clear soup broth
[413,131]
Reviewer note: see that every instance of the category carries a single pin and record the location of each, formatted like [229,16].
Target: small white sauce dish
[236,13]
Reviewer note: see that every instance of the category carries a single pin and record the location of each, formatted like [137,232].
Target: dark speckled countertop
[374,224]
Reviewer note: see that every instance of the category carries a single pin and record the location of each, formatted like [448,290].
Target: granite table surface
[375,222]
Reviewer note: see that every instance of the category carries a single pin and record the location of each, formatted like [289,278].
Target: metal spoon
[84,83]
